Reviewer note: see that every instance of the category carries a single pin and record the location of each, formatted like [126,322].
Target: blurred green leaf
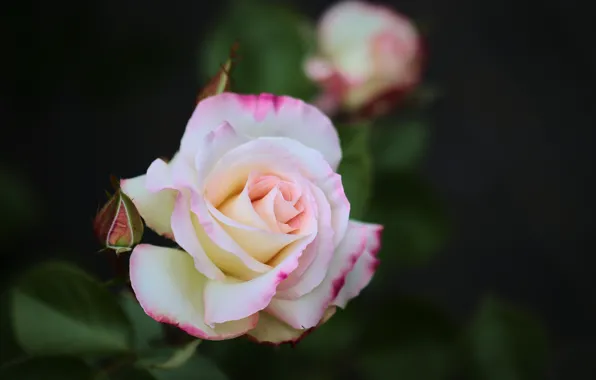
[416,226]
[399,144]
[9,348]
[356,166]
[506,344]
[273,45]
[59,309]
[332,339]
[128,373]
[194,368]
[147,332]
[18,203]
[170,358]
[48,368]
[238,357]
[407,338]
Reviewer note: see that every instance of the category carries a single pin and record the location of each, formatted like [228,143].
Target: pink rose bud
[369,56]
[221,81]
[118,225]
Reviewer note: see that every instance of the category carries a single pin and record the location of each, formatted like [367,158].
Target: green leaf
[356,166]
[407,339]
[195,368]
[506,344]
[59,309]
[169,358]
[48,368]
[330,340]
[128,373]
[9,349]
[272,48]
[147,332]
[416,226]
[399,144]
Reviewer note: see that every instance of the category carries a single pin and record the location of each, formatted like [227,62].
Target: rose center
[278,202]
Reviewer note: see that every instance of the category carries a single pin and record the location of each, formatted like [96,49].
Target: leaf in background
[407,339]
[356,166]
[128,373]
[59,309]
[416,226]
[48,368]
[146,330]
[399,144]
[272,48]
[332,339]
[170,358]
[9,349]
[506,344]
[194,368]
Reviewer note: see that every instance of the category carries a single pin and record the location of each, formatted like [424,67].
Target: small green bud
[221,81]
[118,225]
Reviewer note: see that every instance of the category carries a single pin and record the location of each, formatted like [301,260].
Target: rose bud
[368,58]
[254,203]
[118,225]
[221,81]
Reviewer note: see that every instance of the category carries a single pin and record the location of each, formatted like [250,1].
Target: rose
[369,56]
[253,200]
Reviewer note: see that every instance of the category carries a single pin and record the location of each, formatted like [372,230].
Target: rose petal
[318,69]
[272,330]
[231,300]
[354,23]
[240,209]
[274,155]
[212,146]
[307,311]
[260,244]
[221,248]
[186,237]
[169,289]
[314,263]
[264,115]
[155,205]
[365,267]
[333,188]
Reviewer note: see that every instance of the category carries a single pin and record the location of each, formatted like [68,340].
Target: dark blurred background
[95,88]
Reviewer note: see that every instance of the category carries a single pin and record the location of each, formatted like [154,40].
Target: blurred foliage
[146,331]
[505,344]
[273,42]
[84,317]
[356,167]
[416,226]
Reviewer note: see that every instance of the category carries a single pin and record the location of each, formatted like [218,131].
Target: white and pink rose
[254,202]
[368,57]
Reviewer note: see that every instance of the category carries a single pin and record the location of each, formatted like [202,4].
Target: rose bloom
[253,201]
[369,57]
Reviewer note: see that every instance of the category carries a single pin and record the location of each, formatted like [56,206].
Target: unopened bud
[221,81]
[118,225]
